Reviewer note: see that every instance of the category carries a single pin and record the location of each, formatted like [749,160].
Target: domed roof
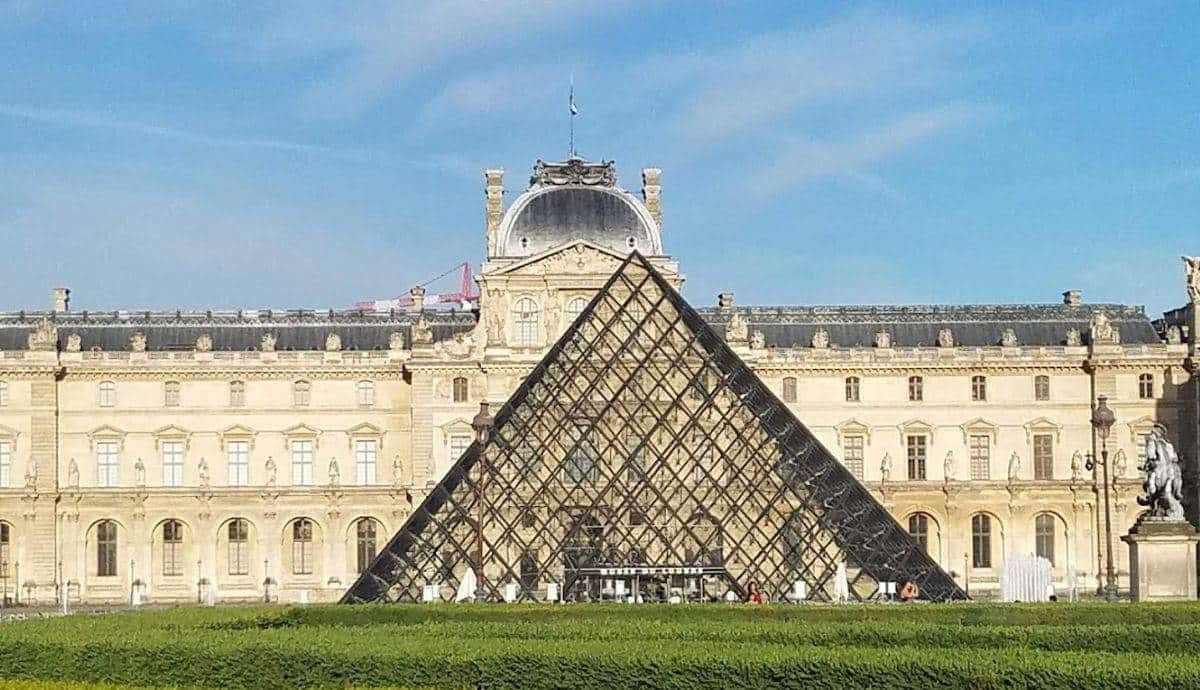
[576,200]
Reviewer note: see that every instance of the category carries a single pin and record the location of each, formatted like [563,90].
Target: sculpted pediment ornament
[74,342]
[915,426]
[1074,338]
[977,427]
[945,338]
[737,330]
[579,256]
[364,432]
[333,342]
[574,171]
[396,341]
[301,432]
[43,336]
[204,343]
[237,432]
[107,433]
[820,339]
[137,342]
[422,331]
[267,344]
[1103,331]
[852,427]
[1043,426]
[457,347]
[172,433]
[883,339]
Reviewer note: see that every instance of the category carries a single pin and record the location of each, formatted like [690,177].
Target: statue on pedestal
[1163,482]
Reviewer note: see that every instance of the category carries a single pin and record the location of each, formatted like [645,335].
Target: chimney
[725,300]
[1072,298]
[62,299]
[652,194]
[495,207]
[418,297]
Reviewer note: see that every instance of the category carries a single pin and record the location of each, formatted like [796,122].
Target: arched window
[1041,387]
[365,536]
[852,394]
[789,389]
[918,529]
[301,393]
[916,389]
[366,393]
[107,394]
[171,394]
[3,393]
[5,543]
[237,394]
[302,547]
[172,548]
[978,388]
[1146,386]
[106,549]
[981,541]
[460,389]
[574,308]
[1043,531]
[525,323]
[239,547]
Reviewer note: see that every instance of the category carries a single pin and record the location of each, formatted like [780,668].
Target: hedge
[615,646]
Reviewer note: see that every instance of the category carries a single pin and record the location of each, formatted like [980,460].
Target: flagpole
[571,114]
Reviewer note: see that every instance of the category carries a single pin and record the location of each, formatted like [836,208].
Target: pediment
[977,426]
[915,426]
[852,427]
[8,433]
[238,430]
[1141,425]
[301,430]
[458,424]
[1042,424]
[172,431]
[364,429]
[576,256]
[106,431]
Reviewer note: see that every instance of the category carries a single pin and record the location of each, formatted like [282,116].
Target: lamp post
[482,424]
[1103,419]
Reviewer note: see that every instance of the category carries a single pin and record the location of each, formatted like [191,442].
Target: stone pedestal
[1162,560]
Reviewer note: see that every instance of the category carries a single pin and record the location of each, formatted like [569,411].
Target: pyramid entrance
[643,460]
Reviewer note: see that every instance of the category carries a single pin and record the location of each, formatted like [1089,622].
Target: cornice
[194,373]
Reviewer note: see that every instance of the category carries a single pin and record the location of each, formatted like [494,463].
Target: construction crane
[465,296]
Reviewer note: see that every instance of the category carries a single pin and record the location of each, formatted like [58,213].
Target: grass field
[603,646]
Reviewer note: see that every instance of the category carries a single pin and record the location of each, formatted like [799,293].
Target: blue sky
[223,155]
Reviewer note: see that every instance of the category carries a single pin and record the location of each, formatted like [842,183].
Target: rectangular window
[366,393]
[1141,449]
[580,465]
[302,463]
[172,459]
[5,464]
[364,461]
[979,388]
[1146,386]
[1041,387]
[106,463]
[3,393]
[239,462]
[916,448]
[1043,456]
[980,446]
[981,541]
[237,394]
[171,394]
[916,389]
[789,389]
[852,455]
[106,549]
[852,391]
[302,557]
[459,443]
[172,549]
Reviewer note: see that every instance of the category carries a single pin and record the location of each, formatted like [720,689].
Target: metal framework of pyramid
[643,459]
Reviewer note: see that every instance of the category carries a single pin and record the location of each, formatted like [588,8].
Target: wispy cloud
[374,47]
[71,118]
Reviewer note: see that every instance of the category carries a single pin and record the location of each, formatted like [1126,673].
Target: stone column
[495,208]
[652,194]
[40,562]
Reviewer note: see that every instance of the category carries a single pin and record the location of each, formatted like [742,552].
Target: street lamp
[1103,419]
[482,424]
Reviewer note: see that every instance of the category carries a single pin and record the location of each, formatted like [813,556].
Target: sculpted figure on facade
[948,466]
[74,342]
[271,471]
[1009,338]
[1174,335]
[1014,467]
[494,318]
[1077,466]
[1074,338]
[139,473]
[397,476]
[203,474]
[333,342]
[1163,479]
[422,331]
[335,473]
[758,341]
[737,330]
[820,339]
[457,347]
[204,343]
[137,342]
[73,474]
[396,341]
[267,344]
[553,315]
[885,468]
[1191,270]
[1103,331]
[43,336]
[31,476]
[883,339]
[945,338]
[1120,464]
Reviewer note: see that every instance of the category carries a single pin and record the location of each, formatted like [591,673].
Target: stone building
[236,455]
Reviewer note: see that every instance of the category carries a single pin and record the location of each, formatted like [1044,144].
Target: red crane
[465,295]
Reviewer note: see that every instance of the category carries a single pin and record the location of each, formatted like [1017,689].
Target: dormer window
[631,242]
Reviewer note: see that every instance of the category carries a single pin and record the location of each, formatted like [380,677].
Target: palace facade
[171,456]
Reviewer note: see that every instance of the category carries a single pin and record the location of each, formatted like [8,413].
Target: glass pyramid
[642,459]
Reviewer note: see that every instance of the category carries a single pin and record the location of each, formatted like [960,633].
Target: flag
[574,110]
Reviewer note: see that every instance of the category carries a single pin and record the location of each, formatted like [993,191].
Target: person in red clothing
[753,594]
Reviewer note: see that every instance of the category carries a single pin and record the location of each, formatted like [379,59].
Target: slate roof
[231,331]
[918,325]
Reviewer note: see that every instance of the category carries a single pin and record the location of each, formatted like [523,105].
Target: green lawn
[603,646]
